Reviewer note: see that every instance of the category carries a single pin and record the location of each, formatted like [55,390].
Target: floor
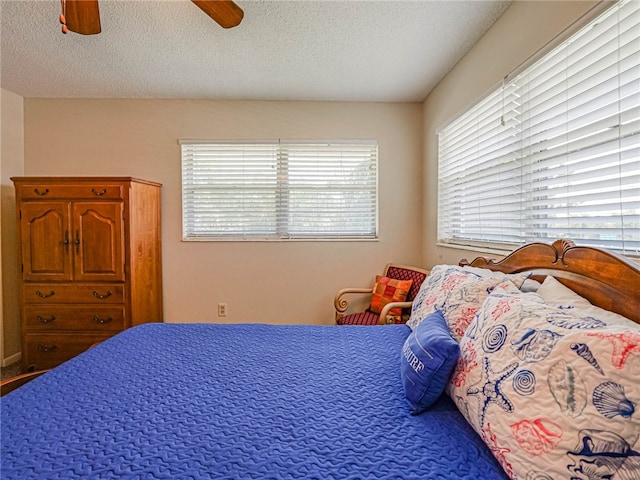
[11,371]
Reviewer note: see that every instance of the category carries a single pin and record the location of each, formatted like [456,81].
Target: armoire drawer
[44,351]
[87,192]
[47,318]
[98,293]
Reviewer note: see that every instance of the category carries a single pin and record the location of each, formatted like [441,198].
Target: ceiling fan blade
[225,12]
[82,16]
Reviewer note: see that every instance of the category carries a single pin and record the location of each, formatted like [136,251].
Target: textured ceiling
[386,51]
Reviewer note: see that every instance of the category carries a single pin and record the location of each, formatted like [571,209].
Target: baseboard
[10,360]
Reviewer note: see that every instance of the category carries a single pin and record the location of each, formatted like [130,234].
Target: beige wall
[524,28]
[273,282]
[11,163]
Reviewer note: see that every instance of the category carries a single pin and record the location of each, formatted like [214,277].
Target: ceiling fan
[83,16]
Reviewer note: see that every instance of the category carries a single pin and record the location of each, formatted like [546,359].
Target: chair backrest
[405,272]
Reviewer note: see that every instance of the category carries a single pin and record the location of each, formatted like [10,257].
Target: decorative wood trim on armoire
[91,260]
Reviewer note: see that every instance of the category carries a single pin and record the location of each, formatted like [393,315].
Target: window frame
[282,193]
[506,102]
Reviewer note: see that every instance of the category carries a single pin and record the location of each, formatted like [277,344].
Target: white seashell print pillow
[457,293]
[553,395]
[555,293]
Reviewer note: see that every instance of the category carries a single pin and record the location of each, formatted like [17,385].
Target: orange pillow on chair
[388,290]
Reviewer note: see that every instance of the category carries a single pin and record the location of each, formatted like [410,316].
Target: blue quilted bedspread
[236,402]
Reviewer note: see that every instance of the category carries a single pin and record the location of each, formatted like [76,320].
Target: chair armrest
[341,304]
[10,384]
[389,306]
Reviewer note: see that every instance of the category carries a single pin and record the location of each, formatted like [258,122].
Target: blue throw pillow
[428,357]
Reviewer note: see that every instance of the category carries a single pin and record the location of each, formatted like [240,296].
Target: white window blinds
[279,190]
[555,152]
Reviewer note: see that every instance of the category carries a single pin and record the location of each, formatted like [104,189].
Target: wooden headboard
[604,278]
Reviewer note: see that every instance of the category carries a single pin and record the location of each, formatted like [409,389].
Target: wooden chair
[10,384]
[392,270]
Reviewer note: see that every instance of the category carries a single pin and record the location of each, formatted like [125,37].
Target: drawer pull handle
[42,319]
[100,193]
[102,297]
[45,295]
[47,348]
[38,192]
[102,321]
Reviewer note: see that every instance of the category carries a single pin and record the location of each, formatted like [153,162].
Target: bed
[183,401]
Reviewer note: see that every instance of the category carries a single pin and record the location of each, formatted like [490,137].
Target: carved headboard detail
[606,279]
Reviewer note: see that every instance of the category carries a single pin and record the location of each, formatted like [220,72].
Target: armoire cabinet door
[46,241]
[98,241]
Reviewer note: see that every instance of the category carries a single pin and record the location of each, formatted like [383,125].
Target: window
[555,151]
[279,190]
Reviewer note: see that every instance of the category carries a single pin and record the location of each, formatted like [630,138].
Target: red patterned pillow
[388,290]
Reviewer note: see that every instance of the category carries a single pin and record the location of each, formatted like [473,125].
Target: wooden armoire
[91,260]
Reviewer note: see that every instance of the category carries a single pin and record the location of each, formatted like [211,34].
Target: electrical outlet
[222,309]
